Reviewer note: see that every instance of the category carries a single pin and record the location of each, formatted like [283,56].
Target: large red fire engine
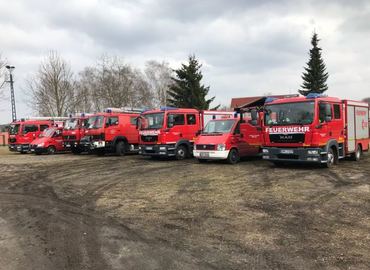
[113,130]
[170,132]
[24,131]
[73,131]
[315,129]
[230,139]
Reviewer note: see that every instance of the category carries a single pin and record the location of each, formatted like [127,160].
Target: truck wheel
[233,157]
[76,151]
[50,150]
[181,152]
[121,148]
[357,156]
[331,158]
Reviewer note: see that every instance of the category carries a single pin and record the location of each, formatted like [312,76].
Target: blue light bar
[165,108]
[270,99]
[314,95]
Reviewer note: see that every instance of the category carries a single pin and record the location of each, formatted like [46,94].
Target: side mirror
[170,121]
[254,122]
[254,115]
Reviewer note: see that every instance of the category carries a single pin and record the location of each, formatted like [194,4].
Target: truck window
[112,121]
[133,120]
[191,119]
[43,127]
[30,128]
[175,120]
[324,110]
[336,111]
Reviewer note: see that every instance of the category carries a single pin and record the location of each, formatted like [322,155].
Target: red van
[50,141]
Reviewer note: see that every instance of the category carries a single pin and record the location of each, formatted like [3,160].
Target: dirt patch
[87,212]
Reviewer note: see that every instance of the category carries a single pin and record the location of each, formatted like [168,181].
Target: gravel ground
[87,212]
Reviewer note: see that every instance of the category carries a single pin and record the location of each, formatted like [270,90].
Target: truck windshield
[299,113]
[14,129]
[71,123]
[47,132]
[152,121]
[219,126]
[95,122]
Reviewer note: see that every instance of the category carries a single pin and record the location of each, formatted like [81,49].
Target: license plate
[67,145]
[286,151]
[204,154]
[32,150]
[149,148]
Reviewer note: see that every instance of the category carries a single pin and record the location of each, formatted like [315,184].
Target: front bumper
[211,154]
[309,155]
[38,150]
[19,147]
[163,150]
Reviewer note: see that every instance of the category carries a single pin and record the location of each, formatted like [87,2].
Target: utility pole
[14,113]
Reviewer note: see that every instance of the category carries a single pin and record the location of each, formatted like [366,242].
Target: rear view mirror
[254,115]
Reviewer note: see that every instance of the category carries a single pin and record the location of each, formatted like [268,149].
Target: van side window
[30,128]
[190,119]
[112,121]
[175,120]
[324,110]
[43,127]
[336,111]
[133,120]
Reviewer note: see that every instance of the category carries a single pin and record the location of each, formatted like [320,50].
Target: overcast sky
[247,47]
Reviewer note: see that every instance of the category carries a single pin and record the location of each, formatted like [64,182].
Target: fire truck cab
[230,138]
[113,130]
[24,131]
[170,132]
[316,129]
[49,141]
[73,131]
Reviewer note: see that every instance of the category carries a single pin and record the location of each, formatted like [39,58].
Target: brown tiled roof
[244,101]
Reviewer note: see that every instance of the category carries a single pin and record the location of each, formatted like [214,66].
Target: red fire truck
[49,142]
[113,130]
[230,138]
[315,129]
[170,132]
[73,131]
[24,131]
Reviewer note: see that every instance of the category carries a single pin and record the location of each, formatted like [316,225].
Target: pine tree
[315,75]
[187,90]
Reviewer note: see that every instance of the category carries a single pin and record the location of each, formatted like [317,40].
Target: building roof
[247,101]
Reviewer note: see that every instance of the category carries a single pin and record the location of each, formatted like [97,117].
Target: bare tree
[53,87]
[158,76]
[113,83]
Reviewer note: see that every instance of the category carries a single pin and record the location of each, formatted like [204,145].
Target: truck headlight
[313,152]
[265,150]
[221,147]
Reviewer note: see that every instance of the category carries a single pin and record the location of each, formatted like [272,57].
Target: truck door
[192,126]
[337,124]
[239,141]
[177,127]
[253,138]
[132,131]
[57,136]
[325,119]
[30,132]
[112,128]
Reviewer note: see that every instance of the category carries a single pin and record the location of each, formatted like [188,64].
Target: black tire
[357,155]
[331,158]
[51,150]
[233,157]
[181,152]
[120,148]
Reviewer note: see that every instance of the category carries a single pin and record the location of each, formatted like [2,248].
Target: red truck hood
[212,138]
[40,140]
